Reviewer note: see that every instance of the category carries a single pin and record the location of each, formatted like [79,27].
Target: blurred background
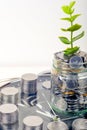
[29,31]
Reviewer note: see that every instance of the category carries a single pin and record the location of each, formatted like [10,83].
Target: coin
[57,125]
[9,95]
[32,123]
[75,62]
[8,113]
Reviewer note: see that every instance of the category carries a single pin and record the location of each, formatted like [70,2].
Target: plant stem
[71,39]
[71,34]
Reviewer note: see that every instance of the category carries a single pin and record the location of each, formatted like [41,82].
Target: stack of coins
[10,126]
[79,124]
[33,123]
[57,125]
[72,100]
[56,64]
[9,95]
[29,83]
[8,114]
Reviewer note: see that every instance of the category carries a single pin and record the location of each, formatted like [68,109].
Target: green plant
[69,10]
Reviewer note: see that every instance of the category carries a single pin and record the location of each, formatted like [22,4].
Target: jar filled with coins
[69,82]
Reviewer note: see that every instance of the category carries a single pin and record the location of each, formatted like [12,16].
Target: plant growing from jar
[71,17]
[69,69]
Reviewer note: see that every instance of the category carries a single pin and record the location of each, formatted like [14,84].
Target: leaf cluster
[69,10]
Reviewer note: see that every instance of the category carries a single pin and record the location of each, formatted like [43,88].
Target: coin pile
[79,124]
[9,95]
[33,123]
[29,83]
[8,114]
[57,125]
[72,100]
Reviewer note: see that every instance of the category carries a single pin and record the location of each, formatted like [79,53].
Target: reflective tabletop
[37,104]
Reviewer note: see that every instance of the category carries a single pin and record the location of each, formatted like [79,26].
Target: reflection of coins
[29,100]
[46,84]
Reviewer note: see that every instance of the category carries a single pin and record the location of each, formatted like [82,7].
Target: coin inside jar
[70,93]
[72,100]
[85,94]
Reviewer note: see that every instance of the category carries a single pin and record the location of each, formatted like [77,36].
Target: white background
[29,31]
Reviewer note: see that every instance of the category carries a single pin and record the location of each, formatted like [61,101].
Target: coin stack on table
[32,123]
[29,84]
[8,114]
[9,95]
[79,124]
[57,125]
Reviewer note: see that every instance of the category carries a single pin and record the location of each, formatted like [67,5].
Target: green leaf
[74,17]
[78,36]
[63,29]
[69,10]
[72,3]
[74,27]
[66,9]
[68,19]
[65,40]
[71,51]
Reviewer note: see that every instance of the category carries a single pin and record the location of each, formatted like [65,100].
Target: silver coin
[8,114]
[10,127]
[57,125]
[9,95]
[32,123]
[75,62]
[79,124]
[29,83]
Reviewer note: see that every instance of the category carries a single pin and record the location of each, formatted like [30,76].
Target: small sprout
[69,10]
[55,118]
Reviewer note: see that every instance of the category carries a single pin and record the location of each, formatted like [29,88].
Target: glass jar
[69,82]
